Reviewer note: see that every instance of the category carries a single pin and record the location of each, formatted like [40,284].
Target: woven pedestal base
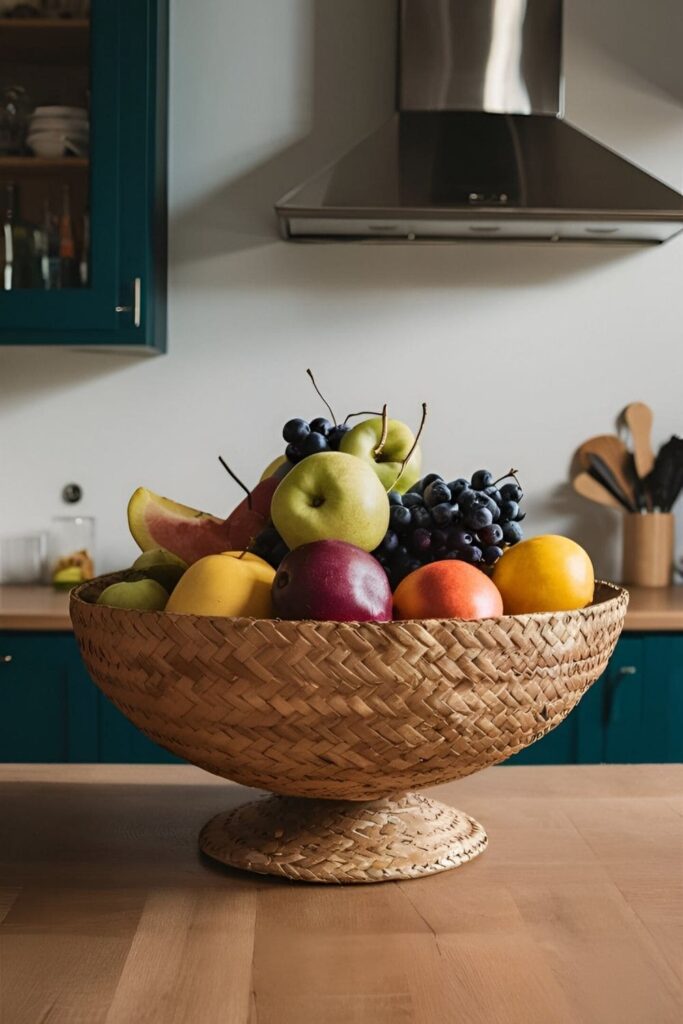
[341,841]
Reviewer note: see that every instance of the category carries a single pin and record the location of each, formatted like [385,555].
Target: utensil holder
[648,549]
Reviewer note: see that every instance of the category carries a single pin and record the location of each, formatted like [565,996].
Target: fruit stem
[364,412]
[237,480]
[385,430]
[325,402]
[511,473]
[414,446]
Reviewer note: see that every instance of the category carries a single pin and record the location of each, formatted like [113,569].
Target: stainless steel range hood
[478,148]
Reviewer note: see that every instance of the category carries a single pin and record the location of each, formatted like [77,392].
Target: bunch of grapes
[471,520]
[303,438]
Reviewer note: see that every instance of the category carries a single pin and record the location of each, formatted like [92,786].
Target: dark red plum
[332,580]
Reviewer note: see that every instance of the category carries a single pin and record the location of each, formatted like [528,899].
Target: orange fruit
[447,590]
[544,574]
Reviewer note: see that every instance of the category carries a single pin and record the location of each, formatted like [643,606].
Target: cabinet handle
[5,658]
[136,308]
[611,687]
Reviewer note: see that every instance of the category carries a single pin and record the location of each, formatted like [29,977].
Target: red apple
[244,523]
[332,580]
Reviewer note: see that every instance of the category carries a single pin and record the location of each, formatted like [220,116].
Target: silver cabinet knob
[5,658]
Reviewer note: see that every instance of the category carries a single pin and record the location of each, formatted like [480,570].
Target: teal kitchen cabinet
[49,705]
[88,265]
[632,715]
[51,711]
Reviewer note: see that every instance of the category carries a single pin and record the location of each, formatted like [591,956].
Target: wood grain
[111,915]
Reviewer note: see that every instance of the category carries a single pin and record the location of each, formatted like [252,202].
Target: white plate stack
[59,131]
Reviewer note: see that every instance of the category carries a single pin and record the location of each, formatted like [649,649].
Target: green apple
[363,440]
[162,566]
[140,595]
[331,496]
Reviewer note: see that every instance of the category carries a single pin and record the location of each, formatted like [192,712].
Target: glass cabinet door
[57,123]
[79,137]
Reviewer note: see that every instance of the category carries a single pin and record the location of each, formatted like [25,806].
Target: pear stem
[325,402]
[385,430]
[364,412]
[237,480]
[414,446]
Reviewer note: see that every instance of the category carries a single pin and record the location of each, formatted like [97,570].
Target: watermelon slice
[157,522]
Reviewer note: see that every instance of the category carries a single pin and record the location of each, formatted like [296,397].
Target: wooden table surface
[41,608]
[109,913]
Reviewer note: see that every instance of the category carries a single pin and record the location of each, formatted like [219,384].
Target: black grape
[478,518]
[481,479]
[421,541]
[492,534]
[295,431]
[511,492]
[512,533]
[399,517]
[442,514]
[420,518]
[509,510]
[321,426]
[492,554]
[436,493]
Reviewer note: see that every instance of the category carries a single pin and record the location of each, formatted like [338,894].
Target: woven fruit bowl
[344,721]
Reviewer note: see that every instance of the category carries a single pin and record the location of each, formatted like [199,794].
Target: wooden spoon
[587,487]
[616,457]
[638,419]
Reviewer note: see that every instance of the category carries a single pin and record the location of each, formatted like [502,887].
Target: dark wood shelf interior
[46,41]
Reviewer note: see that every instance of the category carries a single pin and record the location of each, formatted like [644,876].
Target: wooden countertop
[26,608]
[109,913]
[29,607]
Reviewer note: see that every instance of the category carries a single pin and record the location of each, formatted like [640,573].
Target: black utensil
[665,482]
[601,472]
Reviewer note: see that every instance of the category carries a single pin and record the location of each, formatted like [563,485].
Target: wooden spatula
[638,419]
[616,457]
[587,487]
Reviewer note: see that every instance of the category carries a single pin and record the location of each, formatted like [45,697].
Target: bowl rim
[619,593]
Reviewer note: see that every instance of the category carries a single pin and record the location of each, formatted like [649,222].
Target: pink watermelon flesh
[189,539]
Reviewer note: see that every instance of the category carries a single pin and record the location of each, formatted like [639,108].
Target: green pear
[162,566]
[363,441]
[138,595]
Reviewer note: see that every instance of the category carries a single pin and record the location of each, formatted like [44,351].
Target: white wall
[521,351]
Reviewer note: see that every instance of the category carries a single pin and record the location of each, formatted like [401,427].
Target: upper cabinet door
[83,96]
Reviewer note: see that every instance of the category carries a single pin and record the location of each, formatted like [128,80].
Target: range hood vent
[478,149]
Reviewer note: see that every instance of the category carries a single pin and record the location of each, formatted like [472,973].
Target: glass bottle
[84,266]
[50,269]
[68,265]
[17,256]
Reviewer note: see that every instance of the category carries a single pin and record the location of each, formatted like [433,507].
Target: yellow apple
[231,584]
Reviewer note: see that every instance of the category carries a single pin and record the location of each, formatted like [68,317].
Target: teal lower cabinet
[632,715]
[50,710]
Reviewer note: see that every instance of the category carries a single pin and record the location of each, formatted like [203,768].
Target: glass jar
[71,551]
[22,559]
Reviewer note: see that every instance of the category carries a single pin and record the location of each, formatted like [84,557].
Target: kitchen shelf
[39,166]
[48,41]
